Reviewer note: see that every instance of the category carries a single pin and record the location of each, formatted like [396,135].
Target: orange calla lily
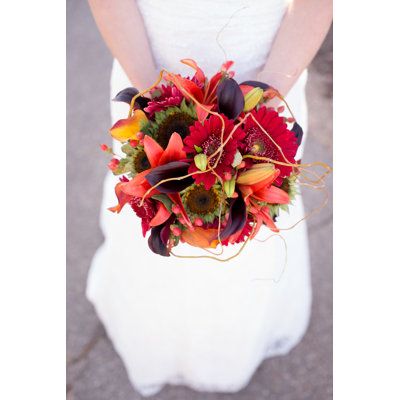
[127,129]
[200,237]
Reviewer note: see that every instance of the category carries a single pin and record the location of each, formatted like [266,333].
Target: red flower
[207,136]
[146,212]
[170,97]
[259,144]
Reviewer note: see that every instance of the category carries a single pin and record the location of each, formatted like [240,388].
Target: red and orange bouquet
[205,161]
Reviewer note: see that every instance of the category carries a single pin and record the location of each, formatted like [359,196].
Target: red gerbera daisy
[169,96]
[207,136]
[259,144]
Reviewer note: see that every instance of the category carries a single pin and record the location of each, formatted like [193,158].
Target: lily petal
[227,65]
[202,114]
[268,220]
[137,186]
[176,198]
[186,85]
[122,197]
[255,187]
[153,150]
[199,75]
[273,195]
[161,216]
[258,223]
[174,150]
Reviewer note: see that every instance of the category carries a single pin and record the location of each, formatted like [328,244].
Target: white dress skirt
[199,322]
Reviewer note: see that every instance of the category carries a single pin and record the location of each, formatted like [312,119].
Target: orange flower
[127,129]
[139,185]
[200,237]
[204,91]
[256,186]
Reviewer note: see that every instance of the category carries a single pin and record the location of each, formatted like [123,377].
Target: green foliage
[163,198]
[128,149]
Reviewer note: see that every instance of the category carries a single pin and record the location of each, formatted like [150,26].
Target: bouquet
[205,161]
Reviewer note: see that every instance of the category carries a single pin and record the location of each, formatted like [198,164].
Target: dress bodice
[244,29]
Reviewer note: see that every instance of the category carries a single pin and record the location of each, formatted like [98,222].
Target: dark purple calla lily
[237,218]
[230,98]
[159,237]
[156,244]
[298,132]
[127,94]
[261,85]
[173,169]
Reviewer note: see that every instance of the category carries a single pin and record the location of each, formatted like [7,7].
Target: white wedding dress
[199,322]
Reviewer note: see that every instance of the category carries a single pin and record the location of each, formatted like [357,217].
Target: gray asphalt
[94,371]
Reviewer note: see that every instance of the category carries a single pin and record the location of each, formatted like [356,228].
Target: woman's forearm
[299,37]
[122,28]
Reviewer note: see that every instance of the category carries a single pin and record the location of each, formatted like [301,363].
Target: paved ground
[94,371]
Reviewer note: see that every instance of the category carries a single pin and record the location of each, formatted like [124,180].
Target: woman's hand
[122,28]
[299,37]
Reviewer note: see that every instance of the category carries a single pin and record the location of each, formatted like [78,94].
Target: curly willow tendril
[303,168]
[286,257]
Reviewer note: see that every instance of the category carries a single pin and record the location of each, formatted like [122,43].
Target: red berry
[198,222]
[133,143]
[176,231]
[103,147]
[113,164]
[176,209]
[227,176]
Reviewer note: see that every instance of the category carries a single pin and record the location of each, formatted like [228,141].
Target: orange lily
[256,187]
[139,186]
[206,94]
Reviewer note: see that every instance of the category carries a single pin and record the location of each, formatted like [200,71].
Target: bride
[201,323]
